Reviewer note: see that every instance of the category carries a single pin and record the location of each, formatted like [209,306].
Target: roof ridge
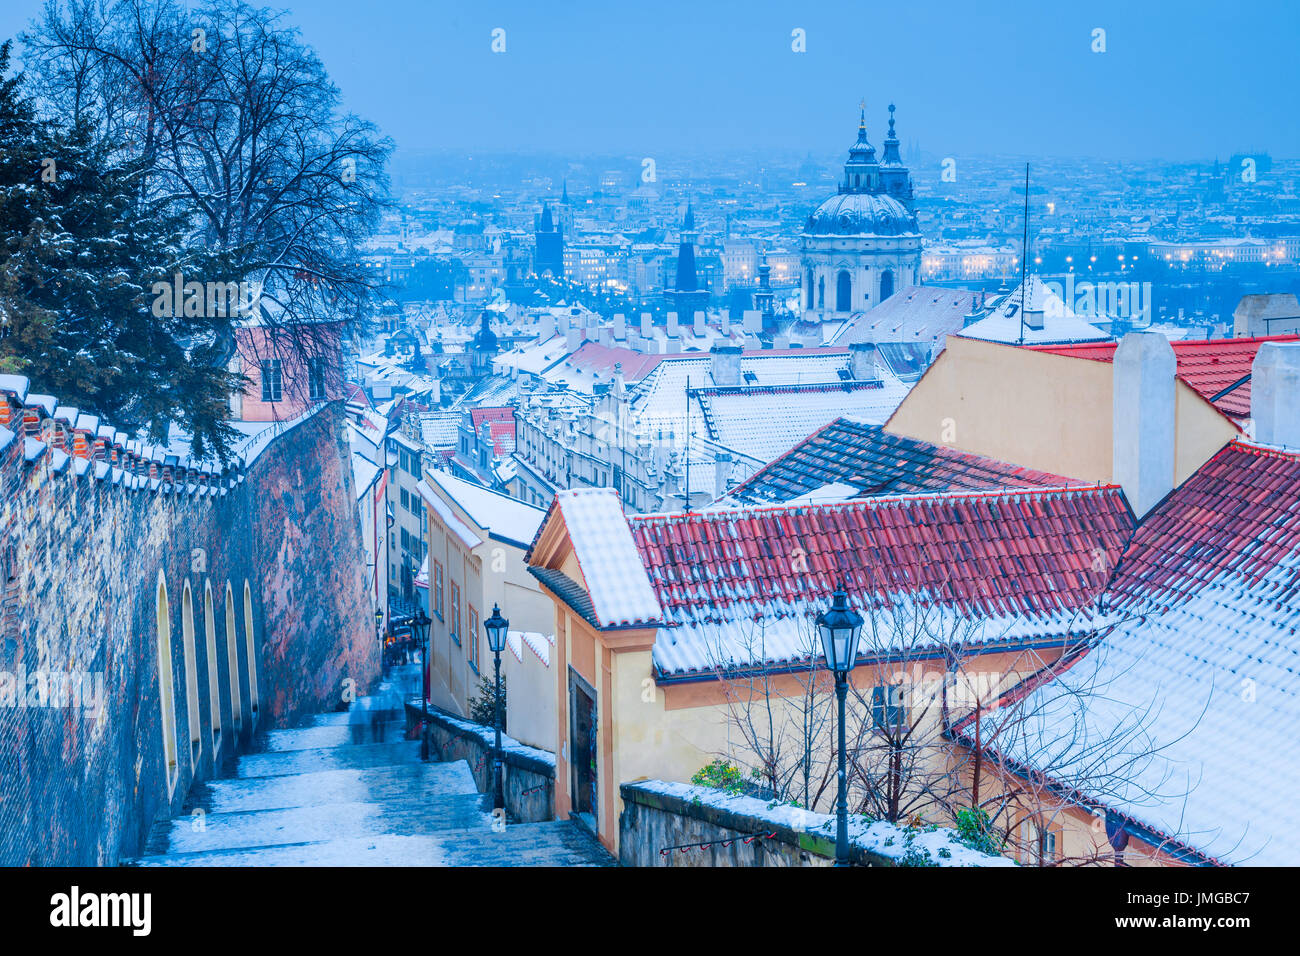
[871,502]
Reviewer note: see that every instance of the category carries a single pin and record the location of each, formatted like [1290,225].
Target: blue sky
[1179,80]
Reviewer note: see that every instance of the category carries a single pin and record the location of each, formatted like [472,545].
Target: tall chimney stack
[1275,394]
[1144,395]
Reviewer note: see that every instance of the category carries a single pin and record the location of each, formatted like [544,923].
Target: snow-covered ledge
[679,824]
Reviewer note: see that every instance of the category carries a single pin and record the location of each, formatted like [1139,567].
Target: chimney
[725,365]
[1275,394]
[620,327]
[646,322]
[781,341]
[573,338]
[545,327]
[724,324]
[1144,393]
[721,472]
[672,325]
[605,335]
[752,322]
[862,361]
[699,322]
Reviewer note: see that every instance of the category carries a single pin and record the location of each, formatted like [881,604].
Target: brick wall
[80,597]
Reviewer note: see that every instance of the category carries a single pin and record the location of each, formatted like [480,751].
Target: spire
[564,197]
[688,223]
[891,155]
[548,224]
[862,121]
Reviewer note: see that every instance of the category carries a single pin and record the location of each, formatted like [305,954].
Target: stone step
[323,822]
[555,843]
[403,781]
[332,735]
[354,757]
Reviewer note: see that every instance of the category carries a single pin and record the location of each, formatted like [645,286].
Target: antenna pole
[1024,258]
[688,444]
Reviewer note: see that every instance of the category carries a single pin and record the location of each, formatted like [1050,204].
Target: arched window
[809,298]
[843,292]
[252,654]
[232,652]
[821,293]
[886,284]
[191,677]
[166,698]
[214,683]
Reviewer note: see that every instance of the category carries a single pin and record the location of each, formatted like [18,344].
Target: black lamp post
[839,629]
[497,627]
[379,633]
[420,630]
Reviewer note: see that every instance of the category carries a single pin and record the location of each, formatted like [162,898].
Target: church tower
[687,296]
[862,244]
[550,246]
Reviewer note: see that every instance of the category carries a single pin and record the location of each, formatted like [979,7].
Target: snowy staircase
[312,797]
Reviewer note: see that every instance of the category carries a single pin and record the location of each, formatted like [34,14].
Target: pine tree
[80,252]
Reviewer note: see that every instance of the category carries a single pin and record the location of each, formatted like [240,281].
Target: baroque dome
[861,214]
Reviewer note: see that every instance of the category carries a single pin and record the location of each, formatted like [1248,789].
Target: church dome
[861,214]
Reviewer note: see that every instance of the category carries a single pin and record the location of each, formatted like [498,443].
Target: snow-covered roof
[1203,670]
[616,580]
[503,517]
[448,516]
[1059,322]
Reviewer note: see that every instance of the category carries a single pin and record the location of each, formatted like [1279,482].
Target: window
[455,613]
[214,683]
[232,652]
[888,709]
[192,718]
[316,379]
[272,380]
[437,590]
[166,695]
[252,654]
[472,638]
[1039,845]
[406,500]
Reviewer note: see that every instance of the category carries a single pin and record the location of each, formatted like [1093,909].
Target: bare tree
[241,129]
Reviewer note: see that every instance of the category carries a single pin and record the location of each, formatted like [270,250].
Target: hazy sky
[1189,79]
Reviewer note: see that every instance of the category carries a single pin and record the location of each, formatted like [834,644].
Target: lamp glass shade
[839,629]
[496,627]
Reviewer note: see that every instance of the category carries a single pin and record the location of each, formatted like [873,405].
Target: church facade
[862,244]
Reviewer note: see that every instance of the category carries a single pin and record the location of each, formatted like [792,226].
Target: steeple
[687,279]
[891,143]
[564,195]
[548,224]
[763,297]
[894,178]
[861,172]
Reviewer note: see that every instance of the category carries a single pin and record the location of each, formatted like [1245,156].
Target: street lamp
[839,629]
[379,635]
[497,627]
[420,627]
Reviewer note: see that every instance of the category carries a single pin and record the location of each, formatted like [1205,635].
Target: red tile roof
[1210,366]
[503,437]
[1005,553]
[504,413]
[1239,513]
[594,357]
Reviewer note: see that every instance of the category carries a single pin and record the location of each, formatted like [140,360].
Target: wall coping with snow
[791,832]
[529,773]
